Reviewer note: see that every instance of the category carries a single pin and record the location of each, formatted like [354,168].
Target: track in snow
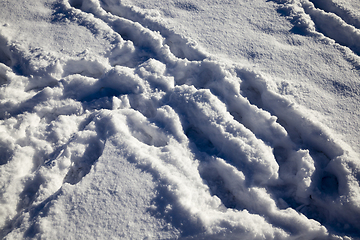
[200,127]
[329,18]
[332,7]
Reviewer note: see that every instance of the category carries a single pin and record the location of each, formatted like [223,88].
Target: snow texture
[135,132]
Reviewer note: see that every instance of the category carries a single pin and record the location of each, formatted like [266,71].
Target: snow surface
[179,119]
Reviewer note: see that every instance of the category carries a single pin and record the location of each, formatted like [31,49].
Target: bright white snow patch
[113,126]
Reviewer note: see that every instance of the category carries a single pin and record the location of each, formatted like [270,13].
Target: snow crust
[116,126]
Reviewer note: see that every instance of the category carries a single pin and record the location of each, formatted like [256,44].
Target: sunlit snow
[179,119]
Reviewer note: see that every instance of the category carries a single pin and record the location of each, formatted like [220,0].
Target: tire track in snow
[321,143]
[333,7]
[326,18]
[181,47]
[335,27]
[164,104]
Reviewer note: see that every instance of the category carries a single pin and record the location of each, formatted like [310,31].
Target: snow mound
[153,138]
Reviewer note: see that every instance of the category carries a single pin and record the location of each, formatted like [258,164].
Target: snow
[179,119]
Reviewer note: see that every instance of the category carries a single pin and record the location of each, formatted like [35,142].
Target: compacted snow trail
[337,21]
[143,135]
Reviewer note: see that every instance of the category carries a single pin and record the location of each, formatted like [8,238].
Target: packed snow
[179,119]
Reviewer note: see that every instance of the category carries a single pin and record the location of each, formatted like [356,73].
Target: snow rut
[232,158]
[327,18]
[333,7]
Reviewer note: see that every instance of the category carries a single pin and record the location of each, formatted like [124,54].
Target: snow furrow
[334,27]
[333,7]
[308,18]
[180,46]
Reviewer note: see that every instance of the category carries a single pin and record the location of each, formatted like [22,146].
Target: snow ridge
[328,20]
[343,12]
[231,158]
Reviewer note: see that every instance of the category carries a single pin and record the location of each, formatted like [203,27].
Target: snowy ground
[179,119]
